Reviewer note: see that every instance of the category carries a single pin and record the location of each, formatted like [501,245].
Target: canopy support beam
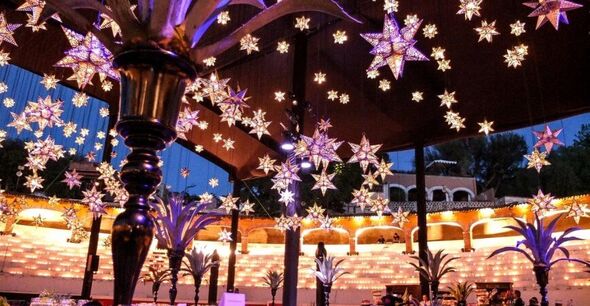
[421,211]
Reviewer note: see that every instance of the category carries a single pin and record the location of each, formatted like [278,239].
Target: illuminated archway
[387,231]
[326,236]
[493,227]
[439,235]
[269,235]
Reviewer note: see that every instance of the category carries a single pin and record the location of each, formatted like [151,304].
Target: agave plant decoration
[461,291]
[273,279]
[156,274]
[177,224]
[328,273]
[542,247]
[198,263]
[434,268]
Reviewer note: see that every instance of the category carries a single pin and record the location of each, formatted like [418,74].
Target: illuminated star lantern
[2,137]
[444,65]
[294,222]
[223,18]
[34,182]
[228,144]
[205,198]
[323,181]
[319,148]
[186,120]
[438,53]
[324,125]
[224,236]
[210,61]
[103,112]
[4,58]
[185,172]
[266,163]
[233,106]
[541,203]
[384,169]
[93,198]
[447,99]
[361,197]
[279,96]
[49,81]
[38,220]
[217,137]
[286,174]
[315,212]
[394,46]
[302,23]
[8,102]
[86,58]
[411,19]
[287,197]
[486,31]
[417,96]
[247,208]
[259,124]
[553,11]
[45,112]
[35,7]
[537,160]
[517,28]
[229,203]
[364,153]
[400,217]
[390,6]
[485,127]
[548,138]
[7,30]
[372,74]
[108,22]
[577,211]
[340,37]
[370,180]
[455,120]
[379,205]
[72,179]
[282,223]
[326,223]
[283,47]
[319,77]
[249,44]
[332,95]
[430,31]
[469,8]
[384,85]
[213,182]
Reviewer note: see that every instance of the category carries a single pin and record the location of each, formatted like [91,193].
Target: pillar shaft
[421,212]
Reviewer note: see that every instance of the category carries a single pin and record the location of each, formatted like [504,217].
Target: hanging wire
[256,198]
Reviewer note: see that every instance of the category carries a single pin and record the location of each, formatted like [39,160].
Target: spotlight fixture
[305,164]
[287,146]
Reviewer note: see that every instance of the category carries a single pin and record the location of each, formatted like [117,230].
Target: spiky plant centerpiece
[157,274]
[328,273]
[542,247]
[273,279]
[461,291]
[177,224]
[434,268]
[198,262]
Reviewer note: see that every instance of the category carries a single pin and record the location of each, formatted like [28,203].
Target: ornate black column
[421,211]
[235,217]
[213,276]
[320,296]
[152,85]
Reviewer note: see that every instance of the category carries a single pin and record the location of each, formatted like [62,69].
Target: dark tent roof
[552,83]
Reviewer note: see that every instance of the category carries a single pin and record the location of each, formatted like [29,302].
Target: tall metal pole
[235,217]
[292,237]
[213,276]
[421,211]
[92,260]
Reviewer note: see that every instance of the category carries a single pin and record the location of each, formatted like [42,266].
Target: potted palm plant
[461,291]
[434,268]
[328,273]
[197,264]
[542,247]
[157,274]
[177,224]
[273,279]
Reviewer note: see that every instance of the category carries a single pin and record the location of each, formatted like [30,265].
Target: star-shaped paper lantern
[517,28]
[384,85]
[45,112]
[279,96]
[35,7]
[7,30]
[302,23]
[266,163]
[417,96]
[447,99]
[72,179]
[323,181]
[577,211]
[228,144]
[287,197]
[394,46]
[486,31]
[469,8]
[86,58]
[340,37]
[364,153]
[224,236]
[454,120]
[213,182]
[286,174]
[34,182]
[444,65]
[430,31]
[38,220]
[548,138]
[438,53]
[283,47]
[327,223]
[205,198]
[223,18]
[93,198]
[361,197]
[247,208]
[370,180]
[229,203]
[282,223]
[320,149]
[259,124]
[400,217]
[315,212]
[553,11]
[319,77]
[185,172]
[485,127]
[249,44]
[332,95]
[384,169]
[379,205]
[537,160]
[542,203]
[49,81]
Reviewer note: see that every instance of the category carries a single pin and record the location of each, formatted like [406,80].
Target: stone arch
[386,230]
[459,193]
[397,193]
[334,236]
[269,235]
